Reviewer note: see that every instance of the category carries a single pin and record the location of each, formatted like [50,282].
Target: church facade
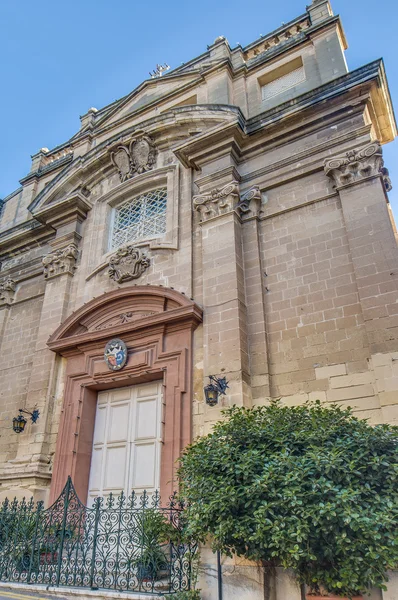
[229,218]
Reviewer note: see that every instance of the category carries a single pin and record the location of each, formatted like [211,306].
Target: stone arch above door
[157,325]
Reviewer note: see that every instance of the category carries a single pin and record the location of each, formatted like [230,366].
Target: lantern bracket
[19,422]
[34,415]
[217,387]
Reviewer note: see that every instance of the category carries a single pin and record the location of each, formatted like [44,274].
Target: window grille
[141,218]
[282,84]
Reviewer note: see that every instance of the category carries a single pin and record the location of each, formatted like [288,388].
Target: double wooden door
[127,441]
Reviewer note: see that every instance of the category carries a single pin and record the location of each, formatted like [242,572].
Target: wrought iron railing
[120,543]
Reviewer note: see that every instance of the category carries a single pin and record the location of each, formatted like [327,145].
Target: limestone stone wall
[278,227]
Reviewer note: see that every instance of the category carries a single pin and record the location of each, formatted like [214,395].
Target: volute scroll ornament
[137,157]
[250,203]
[7,291]
[357,165]
[127,263]
[217,202]
[60,261]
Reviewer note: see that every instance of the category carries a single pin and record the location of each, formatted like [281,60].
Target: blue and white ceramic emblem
[115,354]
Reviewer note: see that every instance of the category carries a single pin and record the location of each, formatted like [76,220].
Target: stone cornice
[305,162]
[226,138]
[84,325]
[22,235]
[368,73]
[373,73]
[115,107]
[155,126]
[57,164]
[75,205]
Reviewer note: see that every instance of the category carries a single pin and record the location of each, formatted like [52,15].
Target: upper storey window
[280,80]
[141,218]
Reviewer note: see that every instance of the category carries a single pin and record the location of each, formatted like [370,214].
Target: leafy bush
[191,595]
[308,488]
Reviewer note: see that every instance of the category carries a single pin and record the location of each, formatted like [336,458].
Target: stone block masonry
[273,260]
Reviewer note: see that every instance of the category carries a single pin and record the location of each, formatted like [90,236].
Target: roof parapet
[319,10]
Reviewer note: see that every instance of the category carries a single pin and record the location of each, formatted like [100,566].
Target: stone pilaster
[32,457]
[249,208]
[362,182]
[59,266]
[7,294]
[225,318]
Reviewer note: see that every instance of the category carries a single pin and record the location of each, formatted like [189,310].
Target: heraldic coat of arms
[115,354]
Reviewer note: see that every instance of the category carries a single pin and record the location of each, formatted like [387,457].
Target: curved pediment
[75,182]
[123,310]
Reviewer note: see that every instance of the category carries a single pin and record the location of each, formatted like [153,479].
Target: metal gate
[124,544]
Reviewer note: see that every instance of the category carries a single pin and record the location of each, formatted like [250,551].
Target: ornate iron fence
[123,544]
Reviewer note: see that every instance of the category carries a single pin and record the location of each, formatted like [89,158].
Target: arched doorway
[157,327]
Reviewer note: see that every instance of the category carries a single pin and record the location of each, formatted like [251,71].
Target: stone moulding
[127,263]
[7,291]
[60,261]
[135,158]
[226,199]
[357,165]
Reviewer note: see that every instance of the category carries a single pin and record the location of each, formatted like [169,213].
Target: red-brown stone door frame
[157,326]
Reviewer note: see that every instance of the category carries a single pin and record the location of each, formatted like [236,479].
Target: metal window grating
[141,218]
[282,84]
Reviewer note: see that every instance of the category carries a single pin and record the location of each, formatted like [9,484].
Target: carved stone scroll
[250,203]
[127,263]
[137,157]
[357,165]
[60,261]
[217,202]
[7,291]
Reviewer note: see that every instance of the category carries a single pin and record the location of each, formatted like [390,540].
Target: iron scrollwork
[120,543]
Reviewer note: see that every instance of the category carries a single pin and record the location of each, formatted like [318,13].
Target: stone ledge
[73,592]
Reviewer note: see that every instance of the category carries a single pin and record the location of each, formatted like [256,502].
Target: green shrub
[308,488]
[191,595]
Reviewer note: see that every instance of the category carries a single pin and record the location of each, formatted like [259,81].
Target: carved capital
[60,261]
[250,203]
[217,202]
[127,263]
[7,291]
[357,165]
[136,157]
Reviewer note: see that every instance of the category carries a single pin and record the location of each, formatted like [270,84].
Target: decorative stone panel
[217,202]
[357,165]
[7,291]
[127,263]
[138,157]
[60,261]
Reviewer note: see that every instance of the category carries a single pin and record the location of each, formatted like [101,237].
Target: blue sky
[61,58]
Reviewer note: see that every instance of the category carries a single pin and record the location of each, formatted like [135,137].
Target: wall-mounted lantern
[19,422]
[214,389]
